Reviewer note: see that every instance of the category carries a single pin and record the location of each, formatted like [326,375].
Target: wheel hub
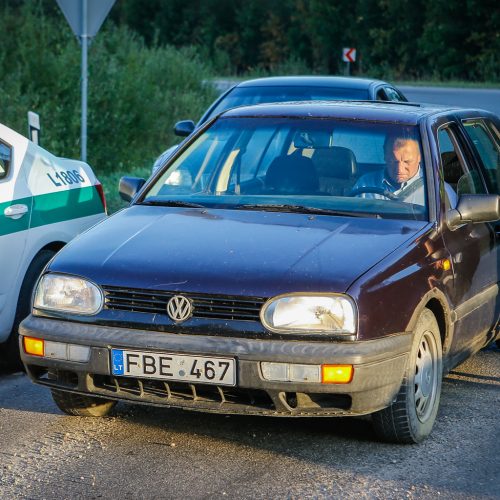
[425,376]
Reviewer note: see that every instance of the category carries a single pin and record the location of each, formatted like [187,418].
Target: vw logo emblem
[179,308]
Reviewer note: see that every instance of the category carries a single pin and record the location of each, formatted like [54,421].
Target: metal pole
[84,39]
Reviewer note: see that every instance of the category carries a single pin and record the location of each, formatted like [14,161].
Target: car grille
[204,305]
[172,392]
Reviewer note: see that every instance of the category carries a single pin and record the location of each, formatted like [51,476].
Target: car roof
[312,81]
[398,112]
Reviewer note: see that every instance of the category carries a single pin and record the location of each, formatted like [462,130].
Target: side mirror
[129,187]
[184,128]
[474,208]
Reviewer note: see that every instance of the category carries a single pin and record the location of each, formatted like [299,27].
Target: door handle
[15,211]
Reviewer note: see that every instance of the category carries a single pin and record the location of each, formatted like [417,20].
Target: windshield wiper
[307,210]
[171,203]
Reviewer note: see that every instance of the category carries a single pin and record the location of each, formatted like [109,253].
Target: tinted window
[487,148]
[313,163]
[246,96]
[5,159]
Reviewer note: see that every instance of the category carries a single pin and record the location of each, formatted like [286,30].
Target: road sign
[348,54]
[85,18]
[97,10]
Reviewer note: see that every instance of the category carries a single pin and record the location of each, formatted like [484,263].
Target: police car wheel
[82,406]
[9,351]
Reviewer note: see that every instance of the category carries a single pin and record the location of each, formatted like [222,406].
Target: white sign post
[85,18]
[34,127]
[348,56]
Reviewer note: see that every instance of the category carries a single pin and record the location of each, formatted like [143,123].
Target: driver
[403,176]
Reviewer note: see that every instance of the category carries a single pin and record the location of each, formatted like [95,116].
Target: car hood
[234,252]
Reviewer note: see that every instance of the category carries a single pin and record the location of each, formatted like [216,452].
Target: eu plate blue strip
[117,362]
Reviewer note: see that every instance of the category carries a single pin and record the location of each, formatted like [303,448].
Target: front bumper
[378,370]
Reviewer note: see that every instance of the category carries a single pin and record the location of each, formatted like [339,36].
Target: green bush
[135,93]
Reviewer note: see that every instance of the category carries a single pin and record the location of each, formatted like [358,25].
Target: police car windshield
[337,166]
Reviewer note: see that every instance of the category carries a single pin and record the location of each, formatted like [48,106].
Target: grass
[110,182]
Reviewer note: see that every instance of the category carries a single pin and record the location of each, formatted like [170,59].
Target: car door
[15,210]
[484,139]
[473,247]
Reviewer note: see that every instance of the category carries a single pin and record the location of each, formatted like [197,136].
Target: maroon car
[296,259]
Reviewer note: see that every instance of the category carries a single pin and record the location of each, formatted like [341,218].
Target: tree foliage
[441,39]
[136,92]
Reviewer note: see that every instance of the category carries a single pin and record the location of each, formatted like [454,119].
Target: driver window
[5,159]
[459,178]
[487,148]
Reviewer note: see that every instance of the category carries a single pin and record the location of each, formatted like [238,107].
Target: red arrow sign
[348,54]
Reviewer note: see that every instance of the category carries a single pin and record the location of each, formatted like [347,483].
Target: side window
[5,159]
[392,94]
[487,148]
[381,95]
[459,177]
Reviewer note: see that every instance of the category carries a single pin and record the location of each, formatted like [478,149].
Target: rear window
[246,96]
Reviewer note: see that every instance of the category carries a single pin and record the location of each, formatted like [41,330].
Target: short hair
[397,140]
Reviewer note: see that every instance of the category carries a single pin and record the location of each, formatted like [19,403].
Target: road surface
[488,99]
[144,452]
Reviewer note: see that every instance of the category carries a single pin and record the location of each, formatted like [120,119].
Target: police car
[45,201]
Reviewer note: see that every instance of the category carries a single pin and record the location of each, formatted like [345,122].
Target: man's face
[402,160]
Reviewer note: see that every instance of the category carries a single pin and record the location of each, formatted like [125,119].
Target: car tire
[9,350]
[79,405]
[410,418]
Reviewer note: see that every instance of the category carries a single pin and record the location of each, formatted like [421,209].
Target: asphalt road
[144,452]
[488,99]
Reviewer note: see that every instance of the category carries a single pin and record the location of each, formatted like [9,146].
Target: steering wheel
[374,190]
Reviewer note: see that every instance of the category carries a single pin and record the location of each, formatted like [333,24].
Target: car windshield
[246,96]
[308,165]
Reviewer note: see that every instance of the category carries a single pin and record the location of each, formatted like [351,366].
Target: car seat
[337,169]
[292,174]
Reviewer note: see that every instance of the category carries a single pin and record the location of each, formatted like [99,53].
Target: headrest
[292,174]
[452,169]
[335,162]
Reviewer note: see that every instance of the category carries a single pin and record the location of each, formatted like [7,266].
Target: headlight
[57,292]
[311,313]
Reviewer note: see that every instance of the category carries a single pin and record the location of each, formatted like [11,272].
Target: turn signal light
[336,374]
[33,346]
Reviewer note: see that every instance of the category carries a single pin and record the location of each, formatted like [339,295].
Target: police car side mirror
[474,208]
[184,128]
[129,187]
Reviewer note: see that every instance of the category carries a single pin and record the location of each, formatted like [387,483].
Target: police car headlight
[57,292]
[310,313]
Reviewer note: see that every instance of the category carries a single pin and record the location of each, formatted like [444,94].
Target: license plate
[180,367]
